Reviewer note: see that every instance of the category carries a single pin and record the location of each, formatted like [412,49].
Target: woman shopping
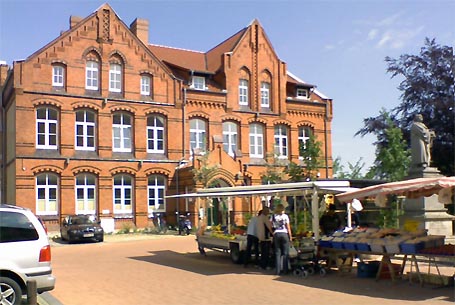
[282,237]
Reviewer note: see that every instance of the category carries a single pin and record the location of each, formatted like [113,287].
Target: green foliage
[295,172]
[311,152]
[388,217]
[354,171]
[273,173]
[205,172]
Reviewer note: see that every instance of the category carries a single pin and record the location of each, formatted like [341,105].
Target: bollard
[32,295]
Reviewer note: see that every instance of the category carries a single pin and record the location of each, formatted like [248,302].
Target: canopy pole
[315,213]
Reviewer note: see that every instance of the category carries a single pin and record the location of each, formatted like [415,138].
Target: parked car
[81,227]
[25,254]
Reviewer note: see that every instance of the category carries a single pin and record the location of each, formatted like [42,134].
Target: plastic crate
[363,247]
[412,248]
[367,269]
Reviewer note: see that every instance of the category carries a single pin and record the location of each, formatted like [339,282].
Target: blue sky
[338,45]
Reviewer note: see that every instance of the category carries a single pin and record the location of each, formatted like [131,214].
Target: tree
[428,88]
[354,172]
[310,151]
[273,173]
[204,172]
[392,155]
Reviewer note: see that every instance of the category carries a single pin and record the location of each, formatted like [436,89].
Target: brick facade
[103,38]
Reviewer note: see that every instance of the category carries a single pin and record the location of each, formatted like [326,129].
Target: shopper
[252,240]
[330,221]
[265,232]
[282,238]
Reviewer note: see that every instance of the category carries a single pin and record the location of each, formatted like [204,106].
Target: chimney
[74,20]
[140,28]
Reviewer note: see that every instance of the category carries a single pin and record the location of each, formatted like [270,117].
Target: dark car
[81,227]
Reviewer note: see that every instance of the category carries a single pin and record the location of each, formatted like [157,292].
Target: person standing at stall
[252,240]
[330,221]
[265,232]
[282,238]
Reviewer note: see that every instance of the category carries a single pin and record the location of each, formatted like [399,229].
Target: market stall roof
[296,188]
[412,188]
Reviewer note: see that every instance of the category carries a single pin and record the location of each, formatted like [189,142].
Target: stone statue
[421,140]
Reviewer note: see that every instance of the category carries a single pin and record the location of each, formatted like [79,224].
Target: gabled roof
[186,59]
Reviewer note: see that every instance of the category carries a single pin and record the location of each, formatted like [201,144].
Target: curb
[47,299]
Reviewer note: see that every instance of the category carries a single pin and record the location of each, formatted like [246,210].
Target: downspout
[183,123]
[325,141]
[3,152]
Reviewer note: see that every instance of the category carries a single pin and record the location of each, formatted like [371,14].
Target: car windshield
[82,220]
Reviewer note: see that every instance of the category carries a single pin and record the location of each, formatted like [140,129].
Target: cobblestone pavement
[148,270]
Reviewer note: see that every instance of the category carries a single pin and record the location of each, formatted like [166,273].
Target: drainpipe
[325,140]
[183,123]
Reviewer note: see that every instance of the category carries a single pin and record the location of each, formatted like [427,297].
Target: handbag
[292,251]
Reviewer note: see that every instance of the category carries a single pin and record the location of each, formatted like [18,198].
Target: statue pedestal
[427,212]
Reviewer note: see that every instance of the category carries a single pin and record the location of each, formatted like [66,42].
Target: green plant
[389,216]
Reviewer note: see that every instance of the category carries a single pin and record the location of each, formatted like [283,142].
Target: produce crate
[338,242]
[367,269]
[412,247]
[363,246]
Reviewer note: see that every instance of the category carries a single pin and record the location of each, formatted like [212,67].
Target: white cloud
[398,38]
[372,34]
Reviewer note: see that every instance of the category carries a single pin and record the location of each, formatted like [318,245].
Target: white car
[25,254]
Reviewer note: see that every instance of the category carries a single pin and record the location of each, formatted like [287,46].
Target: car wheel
[61,236]
[10,291]
[101,239]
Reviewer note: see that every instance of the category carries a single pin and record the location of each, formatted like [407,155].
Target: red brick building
[98,121]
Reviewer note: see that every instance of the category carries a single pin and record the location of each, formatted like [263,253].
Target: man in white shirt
[264,231]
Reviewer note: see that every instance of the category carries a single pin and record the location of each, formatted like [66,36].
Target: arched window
[115,77]
[58,76]
[304,136]
[265,94]
[85,130]
[122,132]
[146,85]
[198,135]
[230,138]
[156,190]
[85,194]
[281,141]
[123,194]
[46,128]
[46,194]
[256,141]
[155,134]
[91,75]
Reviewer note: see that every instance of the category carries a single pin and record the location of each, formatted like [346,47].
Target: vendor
[330,221]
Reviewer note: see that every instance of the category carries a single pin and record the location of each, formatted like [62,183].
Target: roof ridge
[175,48]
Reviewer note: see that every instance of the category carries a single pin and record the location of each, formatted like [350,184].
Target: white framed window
[58,76]
[145,85]
[281,141]
[85,194]
[198,82]
[46,194]
[115,78]
[197,135]
[302,93]
[256,141]
[85,130]
[121,132]
[243,92]
[304,136]
[155,134]
[46,128]
[91,75]
[230,138]
[123,194]
[265,95]
[156,190]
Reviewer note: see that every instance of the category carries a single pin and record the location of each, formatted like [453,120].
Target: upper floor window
[121,132]
[198,82]
[85,130]
[155,134]
[230,138]
[302,93]
[85,194]
[304,136]
[243,92]
[46,194]
[197,135]
[145,85]
[281,141]
[91,75]
[46,128]
[58,76]
[123,194]
[156,190]
[115,77]
[256,141]
[265,95]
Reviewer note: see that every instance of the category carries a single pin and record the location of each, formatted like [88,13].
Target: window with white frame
[230,137]
[145,85]
[85,130]
[115,77]
[256,141]
[281,141]
[46,194]
[243,92]
[156,190]
[85,194]
[197,135]
[155,134]
[91,75]
[123,194]
[46,128]
[198,82]
[58,76]
[304,136]
[302,93]
[265,95]
[121,132]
